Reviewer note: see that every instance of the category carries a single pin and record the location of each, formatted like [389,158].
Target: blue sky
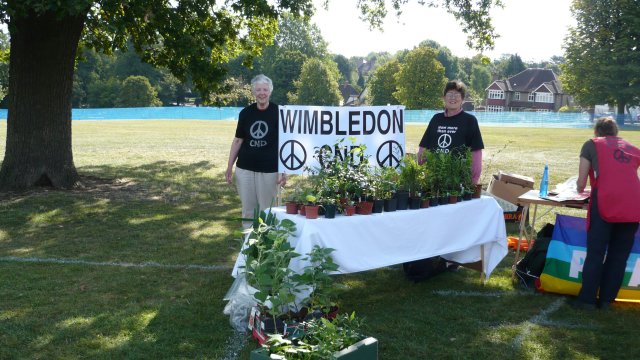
[534,29]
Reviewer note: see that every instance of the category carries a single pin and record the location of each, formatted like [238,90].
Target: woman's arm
[476,166]
[583,173]
[233,155]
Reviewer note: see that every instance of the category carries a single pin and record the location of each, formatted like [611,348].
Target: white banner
[305,128]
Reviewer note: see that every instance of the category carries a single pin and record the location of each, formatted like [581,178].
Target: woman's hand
[282,179]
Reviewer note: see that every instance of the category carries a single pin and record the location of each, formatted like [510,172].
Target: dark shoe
[605,306]
[581,305]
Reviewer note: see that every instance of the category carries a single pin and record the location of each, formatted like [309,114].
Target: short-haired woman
[611,164]
[254,151]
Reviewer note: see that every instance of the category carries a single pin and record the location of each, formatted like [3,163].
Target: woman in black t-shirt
[254,151]
[453,129]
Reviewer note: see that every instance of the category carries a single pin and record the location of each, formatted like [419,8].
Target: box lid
[521,180]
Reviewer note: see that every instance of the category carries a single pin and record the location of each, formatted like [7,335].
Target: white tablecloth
[365,242]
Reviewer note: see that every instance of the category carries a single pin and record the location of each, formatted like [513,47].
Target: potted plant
[388,188]
[340,338]
[292,198]
[375,184]
[268,254]
[349,208]
[311,207]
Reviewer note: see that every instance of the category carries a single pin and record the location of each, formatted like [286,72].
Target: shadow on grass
[164,212]
[53,311]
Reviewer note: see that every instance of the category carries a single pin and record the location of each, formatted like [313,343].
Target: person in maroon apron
[611,164]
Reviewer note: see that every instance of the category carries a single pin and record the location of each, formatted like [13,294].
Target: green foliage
[322,338]
[319,274]
[383,84]
[347,69]
[410,173]
[344,171]
[283,70]
[232,93]
[317,85]
[104,94]
[420,80]
[296,41]
[136,91]
[601,53]
[509,65]
[480,79]
[268,254]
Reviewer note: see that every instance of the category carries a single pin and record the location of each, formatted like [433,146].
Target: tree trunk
[620,114]
[38,151]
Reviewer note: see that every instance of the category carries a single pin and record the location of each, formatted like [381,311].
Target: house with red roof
[529,90]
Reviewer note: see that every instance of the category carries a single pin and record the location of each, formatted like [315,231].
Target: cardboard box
[521,180]
[506,191]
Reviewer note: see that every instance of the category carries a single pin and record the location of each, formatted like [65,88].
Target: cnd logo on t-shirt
[258,130]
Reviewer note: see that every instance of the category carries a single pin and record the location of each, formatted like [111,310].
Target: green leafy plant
[410,173]
[319,276]
[321,340]
[268,254]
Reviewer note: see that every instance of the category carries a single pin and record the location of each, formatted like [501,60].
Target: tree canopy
[602,55]
[383,84]
[421,80]
[317,85]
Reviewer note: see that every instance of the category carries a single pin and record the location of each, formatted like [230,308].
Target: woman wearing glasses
[454,129]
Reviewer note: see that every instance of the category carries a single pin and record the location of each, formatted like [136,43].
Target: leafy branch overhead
[474,14]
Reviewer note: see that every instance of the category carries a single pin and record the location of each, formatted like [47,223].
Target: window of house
[532,97]
[544,97]
[516,96]
[496,94]
[542,110]
[494,108]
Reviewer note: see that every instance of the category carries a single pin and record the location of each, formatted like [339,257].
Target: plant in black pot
[388,187]
[468,187]
[410,173]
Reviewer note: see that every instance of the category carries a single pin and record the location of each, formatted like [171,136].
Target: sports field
[136,265]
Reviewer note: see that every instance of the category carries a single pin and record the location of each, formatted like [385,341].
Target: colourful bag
[562,272]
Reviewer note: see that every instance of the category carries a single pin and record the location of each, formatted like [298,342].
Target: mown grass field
[135,265]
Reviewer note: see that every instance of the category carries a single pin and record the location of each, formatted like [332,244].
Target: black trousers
[613,239]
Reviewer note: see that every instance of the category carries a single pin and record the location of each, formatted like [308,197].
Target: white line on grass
[117,264]
[540,319]
[479,293]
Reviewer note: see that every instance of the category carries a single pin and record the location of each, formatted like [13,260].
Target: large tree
[317,85]
[602,55]
[421,80]
[194,39]
[383,84]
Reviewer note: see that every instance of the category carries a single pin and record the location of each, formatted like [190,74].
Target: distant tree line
[302,69]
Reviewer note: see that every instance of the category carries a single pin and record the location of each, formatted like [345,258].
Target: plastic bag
[241,300]
[569,185]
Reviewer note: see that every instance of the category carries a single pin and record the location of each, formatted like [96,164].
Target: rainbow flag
[562,272]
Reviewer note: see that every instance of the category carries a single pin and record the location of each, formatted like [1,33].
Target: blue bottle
[544,183]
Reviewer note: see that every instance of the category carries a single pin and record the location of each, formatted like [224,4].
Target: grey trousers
[256,190]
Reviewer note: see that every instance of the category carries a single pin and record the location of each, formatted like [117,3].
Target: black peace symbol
[389,154]
[621,157]
[289,154]
[444,140]
[259,129]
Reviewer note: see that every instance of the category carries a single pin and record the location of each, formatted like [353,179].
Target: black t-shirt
[447,133]
[259,131]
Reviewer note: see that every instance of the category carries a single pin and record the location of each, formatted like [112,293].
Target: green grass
[155,194]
